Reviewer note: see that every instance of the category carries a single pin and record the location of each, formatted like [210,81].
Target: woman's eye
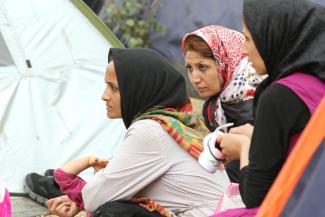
[113,88]
[203,67]
[189,68]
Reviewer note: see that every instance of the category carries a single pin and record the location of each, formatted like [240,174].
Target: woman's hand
[97,163]
[62,206]
[246,130]
[235,147]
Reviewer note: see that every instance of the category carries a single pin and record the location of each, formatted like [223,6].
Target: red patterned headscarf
[226,46]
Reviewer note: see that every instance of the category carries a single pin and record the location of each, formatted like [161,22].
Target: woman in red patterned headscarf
[223,76]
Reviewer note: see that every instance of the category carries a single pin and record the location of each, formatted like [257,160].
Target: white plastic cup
[211,157]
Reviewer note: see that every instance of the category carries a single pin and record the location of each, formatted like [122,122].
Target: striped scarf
[187,129]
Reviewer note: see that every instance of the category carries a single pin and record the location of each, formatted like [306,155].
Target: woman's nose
[196,77]
[106,95]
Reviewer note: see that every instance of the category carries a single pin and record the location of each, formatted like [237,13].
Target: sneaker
[41,188]
[49,172]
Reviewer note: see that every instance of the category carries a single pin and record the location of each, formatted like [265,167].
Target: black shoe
[49,172]
[41,188]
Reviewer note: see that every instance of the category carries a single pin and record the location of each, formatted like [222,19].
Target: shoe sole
[35,197]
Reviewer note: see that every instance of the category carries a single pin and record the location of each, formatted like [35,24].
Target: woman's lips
[201,89]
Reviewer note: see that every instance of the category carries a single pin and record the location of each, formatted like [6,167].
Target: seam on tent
[99,25]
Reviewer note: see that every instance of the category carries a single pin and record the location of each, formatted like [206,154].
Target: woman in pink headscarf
[223,77]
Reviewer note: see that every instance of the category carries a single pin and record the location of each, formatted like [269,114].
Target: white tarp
[52,66]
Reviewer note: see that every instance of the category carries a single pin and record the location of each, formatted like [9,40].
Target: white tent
[52,64]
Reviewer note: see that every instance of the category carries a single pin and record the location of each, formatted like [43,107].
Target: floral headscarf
[238,78]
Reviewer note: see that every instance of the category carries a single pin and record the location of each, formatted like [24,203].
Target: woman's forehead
[110,72]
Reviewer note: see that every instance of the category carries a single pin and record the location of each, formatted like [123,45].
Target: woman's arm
[246,130]
[280,114]
[70,184]
[77,166]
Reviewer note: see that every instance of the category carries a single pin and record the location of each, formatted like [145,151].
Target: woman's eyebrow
[197,63]
[201,62]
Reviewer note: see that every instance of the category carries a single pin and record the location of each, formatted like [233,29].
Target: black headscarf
[289,35]
[146,81]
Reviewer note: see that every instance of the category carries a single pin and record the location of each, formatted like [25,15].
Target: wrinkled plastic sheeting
[51,109]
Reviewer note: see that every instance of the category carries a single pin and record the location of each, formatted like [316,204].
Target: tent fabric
[51,111]
[308,196]
[181,17]
[5,57]
[308,150]
[97,23]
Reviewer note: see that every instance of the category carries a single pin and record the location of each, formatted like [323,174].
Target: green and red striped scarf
[187,129]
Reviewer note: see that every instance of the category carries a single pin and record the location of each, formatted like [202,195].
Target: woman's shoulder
[275,92]
[145,124]
[146,128]
[278,97]
[144,136]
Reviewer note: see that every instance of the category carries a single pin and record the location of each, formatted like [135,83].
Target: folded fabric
[231,204]
[230,199]
[239,212]
[5,207]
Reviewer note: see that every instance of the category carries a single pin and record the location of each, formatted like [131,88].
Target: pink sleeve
[70,185]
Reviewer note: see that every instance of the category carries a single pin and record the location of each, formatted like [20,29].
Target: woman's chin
[110,115]
[204,95]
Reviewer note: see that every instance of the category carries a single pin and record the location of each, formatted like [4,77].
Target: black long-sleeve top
[280,113]
[239,114]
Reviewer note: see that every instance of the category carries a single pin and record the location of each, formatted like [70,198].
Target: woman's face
[251,51]
[111,95]
[203,74]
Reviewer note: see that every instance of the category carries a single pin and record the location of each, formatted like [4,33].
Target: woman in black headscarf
[155,165]
[285,39]
[146,80]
